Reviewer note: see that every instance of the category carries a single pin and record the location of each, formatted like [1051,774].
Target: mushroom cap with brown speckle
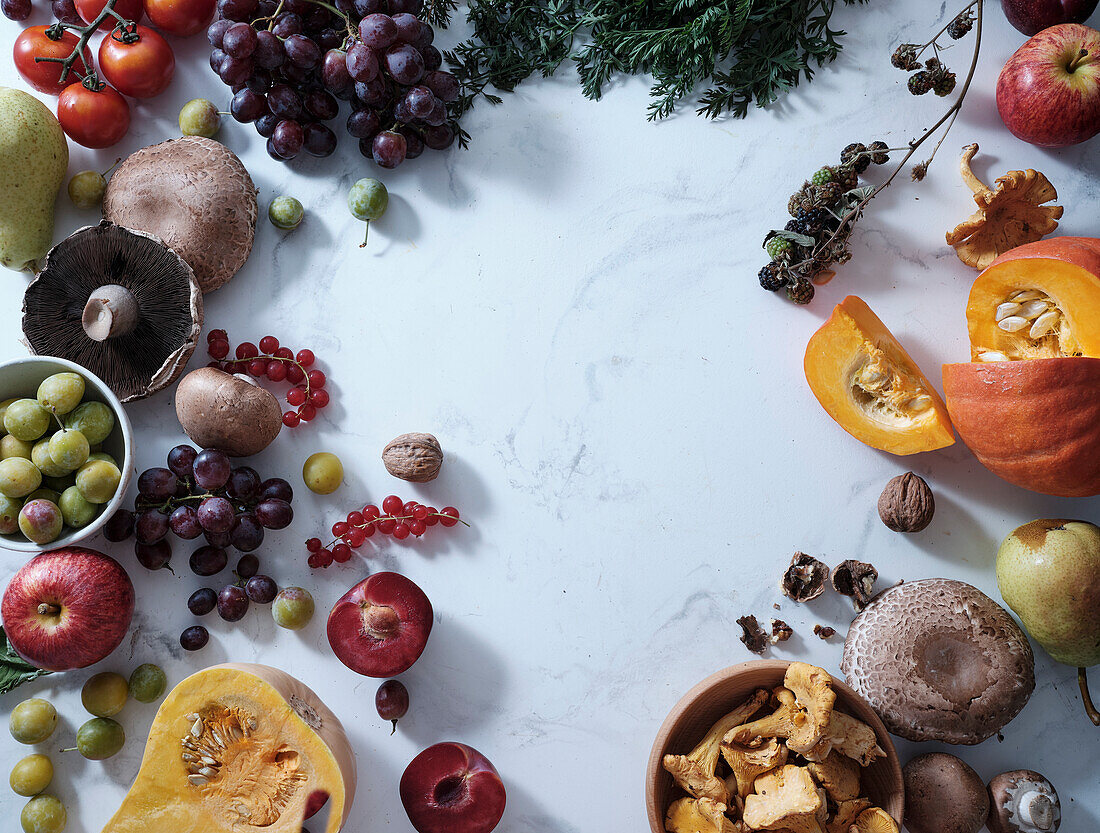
[195,195]
[937,659]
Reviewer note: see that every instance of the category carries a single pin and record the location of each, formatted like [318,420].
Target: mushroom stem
[972,182]
[1090,709]
[1036,809]
[111,311]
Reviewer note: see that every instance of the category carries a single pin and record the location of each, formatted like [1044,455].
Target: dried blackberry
[831,192]
[772,276]
[961,25]
[847,177]
[944,84]
[851,152]
[801,292]
[822,175]
[813,219]
[878,153]
[800,201]
[920,83]
[905,57]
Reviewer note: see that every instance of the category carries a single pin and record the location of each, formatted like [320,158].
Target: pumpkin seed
[1006,309]
[920,403]
[1033,308]
[1013,324]
[1044,324]
[196,728]
[992,356]
[197,780]
[1025,295]
[209,772]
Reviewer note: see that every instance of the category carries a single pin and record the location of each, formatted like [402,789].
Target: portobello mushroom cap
[118,302]
[938,659]
[226,411]
[196,196]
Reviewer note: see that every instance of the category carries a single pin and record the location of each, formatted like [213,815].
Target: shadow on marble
[524,813]
[400,224]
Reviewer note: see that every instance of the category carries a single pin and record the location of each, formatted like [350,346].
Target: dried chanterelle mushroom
[1008,216]
[196,196]
[762,783]
[119,303]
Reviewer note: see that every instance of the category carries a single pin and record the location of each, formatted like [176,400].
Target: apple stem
[1083,59]
[1090,709]
[48,609]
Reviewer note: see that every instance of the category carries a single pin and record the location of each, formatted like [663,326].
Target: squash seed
[196,728]
[1013,324]
[1006,309]
[1044,324]
[1025,295]
[992,356]
[197,780]
[1033,308]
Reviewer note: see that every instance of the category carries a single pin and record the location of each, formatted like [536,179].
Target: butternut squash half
[239,748]
[867,382]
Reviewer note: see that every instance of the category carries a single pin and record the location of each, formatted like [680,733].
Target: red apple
[1048,93]
[379,628]
[68,608]
[1031,16]
[452,788]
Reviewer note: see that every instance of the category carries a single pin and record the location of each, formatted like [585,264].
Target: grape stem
[271,17]
[366,233]
[352,33]
[57,31]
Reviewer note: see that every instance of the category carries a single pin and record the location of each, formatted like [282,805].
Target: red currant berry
[368,530]
[236,367]
[341,553]
[269,344]
[291,419]
[257,367]
[416,527]
[305,357]
[296,396]
[276,371]
[370,512]
[217,335]
[218,349]
[408,509]
[313,544]
[283,353]
[247,350]
[307,412]
[318,398]
[355,518]
[339,529]
[216,365]
[386,525]
[294,375]
[356,537]
[420,511]
[314,561]
[433,516]
[449,516]
[317,379]
[401,532]
[392,505]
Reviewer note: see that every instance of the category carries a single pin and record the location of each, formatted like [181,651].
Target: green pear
[33,160]
[1048,572]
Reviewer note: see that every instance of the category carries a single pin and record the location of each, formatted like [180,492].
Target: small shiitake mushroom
[943,795]
[231,413]
[1023,801]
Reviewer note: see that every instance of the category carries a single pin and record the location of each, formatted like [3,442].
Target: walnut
[413,457]
[805,579]
[824,631]
[906,504]
[781,631]
[754,637]
[855,579]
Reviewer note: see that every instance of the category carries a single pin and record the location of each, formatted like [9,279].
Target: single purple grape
[216,31]
[212,469]
[232,603]
[321,105]
[378,31]
[239,40]
[208,561]
[185,523]
[269,52]
[217,539]
[247,535]
[414,145]
[288,138]
[261,589]
[361,62]
[330,39]
[65,11]
[265,124]
[389,149]
[408,27]
[286,25]
[433,58]
[181,459]
[278,488]
[202,601]
[153,556]
[151,526]
[284,102]
[302,51]
[369,7]
[17,10]
[217,58]
[439,138]
[438,114]
[443,85]
[419,101]
[372,93]
[119,527]
[334,71]
[216,515]
[318,140]
[404,64]
[363,124]
[243,485]
[157,484]
[237,10]
[274,513]
[392,701]
[194,638]
[247,566]
[247,106]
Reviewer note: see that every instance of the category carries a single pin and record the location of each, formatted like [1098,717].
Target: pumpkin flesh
[239,748]
[870,385]
[1033,423]
[1038,301]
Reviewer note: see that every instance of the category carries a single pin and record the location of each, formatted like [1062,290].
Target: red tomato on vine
[136,61]
[89,10]
[180,17]
[36,42]
[93,114]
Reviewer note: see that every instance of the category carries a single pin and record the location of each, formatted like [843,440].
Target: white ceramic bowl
[21,377]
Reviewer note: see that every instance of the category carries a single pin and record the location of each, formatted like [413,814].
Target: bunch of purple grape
[201,494]
[289,61]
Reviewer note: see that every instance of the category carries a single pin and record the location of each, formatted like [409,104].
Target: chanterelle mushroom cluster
[783,760]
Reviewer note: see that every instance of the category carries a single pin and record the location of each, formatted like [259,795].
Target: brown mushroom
[1023,801]
[231,413]
[1008,216]
[196,196]
[937,659]
[119,303]
[943,795]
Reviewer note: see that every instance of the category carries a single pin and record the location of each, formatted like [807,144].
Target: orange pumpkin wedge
[1033,423]
[1038,301]
[866,381]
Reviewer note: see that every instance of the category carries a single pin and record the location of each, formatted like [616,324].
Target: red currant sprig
[307,394]
[396,518]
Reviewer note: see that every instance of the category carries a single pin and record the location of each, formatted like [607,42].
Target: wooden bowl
[720,693]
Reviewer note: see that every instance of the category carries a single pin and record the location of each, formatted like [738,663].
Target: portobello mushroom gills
[118,302]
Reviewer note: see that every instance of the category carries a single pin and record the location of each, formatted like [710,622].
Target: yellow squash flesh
[273,743]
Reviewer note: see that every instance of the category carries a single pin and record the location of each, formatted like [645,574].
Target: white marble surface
[571,307]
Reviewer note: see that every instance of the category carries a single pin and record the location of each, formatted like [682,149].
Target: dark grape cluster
[20,10]
[289,62]
[200,493]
